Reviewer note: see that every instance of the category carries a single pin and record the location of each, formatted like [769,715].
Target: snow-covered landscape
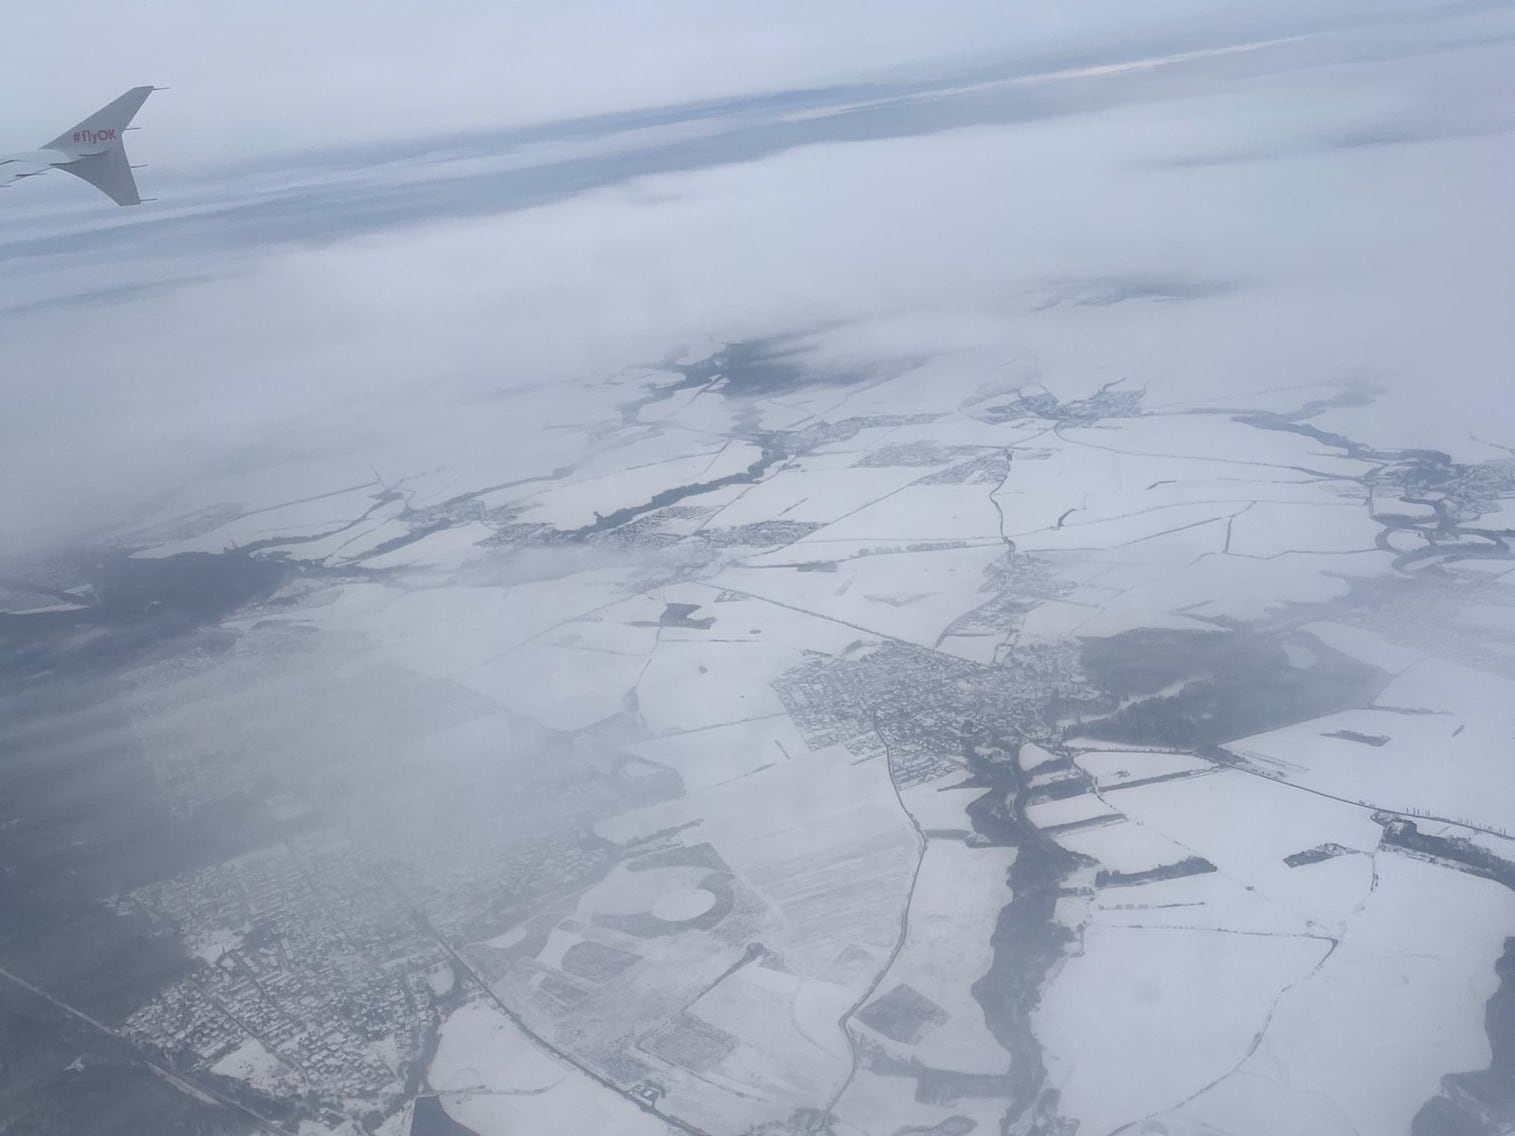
[716,823]
[960,653]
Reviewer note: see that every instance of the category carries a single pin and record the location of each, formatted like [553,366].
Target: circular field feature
[683,905]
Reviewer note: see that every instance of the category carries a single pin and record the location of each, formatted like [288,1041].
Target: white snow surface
[680,675]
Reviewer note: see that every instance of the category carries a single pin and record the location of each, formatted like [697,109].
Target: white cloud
[1312,246]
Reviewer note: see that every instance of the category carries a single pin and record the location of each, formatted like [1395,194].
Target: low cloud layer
[1327,210]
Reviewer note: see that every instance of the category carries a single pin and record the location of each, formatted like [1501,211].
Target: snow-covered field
[1378,755]
[1144,1018]
[790,919]
[1343,1049]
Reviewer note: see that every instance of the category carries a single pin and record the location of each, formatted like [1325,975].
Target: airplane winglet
[96,149]
[104,125]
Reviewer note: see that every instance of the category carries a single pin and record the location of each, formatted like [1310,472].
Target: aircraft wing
[14,167]
[91,150]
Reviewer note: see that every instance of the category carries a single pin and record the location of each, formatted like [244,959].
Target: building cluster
[912,703]
[304,949]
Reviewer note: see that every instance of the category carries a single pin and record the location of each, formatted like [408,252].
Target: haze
[768,569]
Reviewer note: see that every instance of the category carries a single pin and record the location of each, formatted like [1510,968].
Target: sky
[292,74]
[1208,199]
